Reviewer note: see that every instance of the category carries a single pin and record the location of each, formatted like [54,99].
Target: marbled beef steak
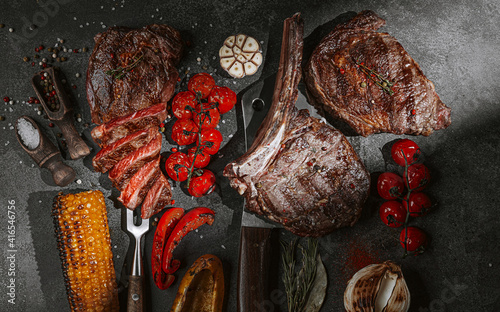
[132,69]
[367,79]
[299,171]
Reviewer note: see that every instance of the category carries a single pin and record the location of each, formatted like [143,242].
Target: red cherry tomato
[184,131]
[165,226]
[392,213]
[418,177]
[225,97]
[390,185]
[202,183]
[416,239]
[202,159]
[201,84]
[211,140]
[209,117]
[405,148]
[177,166]
[184,104]
[420,204]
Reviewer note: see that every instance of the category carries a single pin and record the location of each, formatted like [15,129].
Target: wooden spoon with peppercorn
[58,108]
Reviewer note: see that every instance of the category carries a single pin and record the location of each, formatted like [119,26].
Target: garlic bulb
[377,288]
[240,55]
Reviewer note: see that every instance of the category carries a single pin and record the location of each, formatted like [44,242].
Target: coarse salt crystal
[28,133]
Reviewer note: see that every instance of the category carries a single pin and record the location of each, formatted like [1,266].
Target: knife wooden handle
[135,298]
[253,271]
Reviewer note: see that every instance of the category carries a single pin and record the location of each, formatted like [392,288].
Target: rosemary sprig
[119,72]
[380,80]
[298,284]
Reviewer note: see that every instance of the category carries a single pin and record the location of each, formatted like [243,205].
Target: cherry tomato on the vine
[207,115]
[225,97]
[405,148]
[177,166]
[184,131]
[202,183]
[390,185]
[211,140]
[418,177]
[202,159]
[416,239]
[420,204]
[392,213]
[201,83]
[183,104]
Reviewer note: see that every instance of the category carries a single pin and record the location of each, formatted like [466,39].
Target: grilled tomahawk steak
[299,171]
[131,69]
[367,79]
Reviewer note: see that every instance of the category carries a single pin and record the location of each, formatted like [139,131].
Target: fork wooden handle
[135,298]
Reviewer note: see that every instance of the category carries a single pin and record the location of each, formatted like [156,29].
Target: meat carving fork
[135,297]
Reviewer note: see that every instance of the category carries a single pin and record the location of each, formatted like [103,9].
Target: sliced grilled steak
[126,168]
[135,191]
[299,172]
[117,128]
[338,75]
[158,197]
[147,58]
[107,157]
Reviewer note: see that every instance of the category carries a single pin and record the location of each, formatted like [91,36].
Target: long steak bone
[367,79]
[299,171]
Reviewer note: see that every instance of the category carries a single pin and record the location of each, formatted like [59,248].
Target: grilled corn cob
[84,244]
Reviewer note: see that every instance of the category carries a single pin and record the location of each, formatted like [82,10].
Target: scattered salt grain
[28,133]
[201,236]
[223,247]
[78,181]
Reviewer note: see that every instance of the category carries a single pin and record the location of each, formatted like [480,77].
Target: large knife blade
[255,244]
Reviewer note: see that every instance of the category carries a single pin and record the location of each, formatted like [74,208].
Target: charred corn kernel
[81,226]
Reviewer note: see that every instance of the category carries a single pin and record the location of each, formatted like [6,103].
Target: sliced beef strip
[159,195]
[117,128]
[107,157]
[299,172]
[126,168]
[334,78]
[152,80]
[138,187]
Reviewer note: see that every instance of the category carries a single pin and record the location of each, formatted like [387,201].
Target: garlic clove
[227,62]
[240,55]
[377,288]
[225,52]
[240,40]
[257,59]
[230,41]
[237,70]
[251,45]
[250,68]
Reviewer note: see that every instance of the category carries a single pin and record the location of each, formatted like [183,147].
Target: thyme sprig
[298,284]
[120,71]
[380,80]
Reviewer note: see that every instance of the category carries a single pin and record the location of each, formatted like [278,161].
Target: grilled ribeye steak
[131,69]
[299,171]
[117,128]
[367,79]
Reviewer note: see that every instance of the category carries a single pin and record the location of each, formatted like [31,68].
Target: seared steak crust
[152,80]
[335,79]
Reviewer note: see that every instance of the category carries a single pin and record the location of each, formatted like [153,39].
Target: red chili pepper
[193,219]
[165,226]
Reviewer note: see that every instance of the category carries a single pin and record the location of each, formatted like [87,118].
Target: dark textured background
[456,44]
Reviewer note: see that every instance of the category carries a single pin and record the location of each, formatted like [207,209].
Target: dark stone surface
[456,44]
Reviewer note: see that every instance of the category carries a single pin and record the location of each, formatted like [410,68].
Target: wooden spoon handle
[61,173]
[76,146]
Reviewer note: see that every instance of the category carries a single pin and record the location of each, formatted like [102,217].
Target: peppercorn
[2,118]
[63,59]
[26,59]
[2,25]
[6,99]
[84,50]
[363,84]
